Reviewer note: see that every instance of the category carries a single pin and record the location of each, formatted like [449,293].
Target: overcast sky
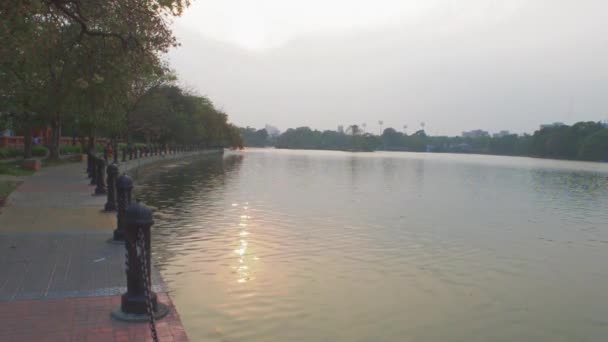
[455,65]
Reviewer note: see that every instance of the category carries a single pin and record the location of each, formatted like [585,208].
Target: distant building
[341,129]
[478,133]
[5,132]
[501,134]
[272,131]
[555,124]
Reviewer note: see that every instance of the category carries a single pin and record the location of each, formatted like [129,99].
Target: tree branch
[84,28]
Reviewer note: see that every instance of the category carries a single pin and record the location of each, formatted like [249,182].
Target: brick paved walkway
[59,278]
[79,319]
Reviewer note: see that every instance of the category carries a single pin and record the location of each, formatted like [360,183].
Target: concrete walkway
[59,278]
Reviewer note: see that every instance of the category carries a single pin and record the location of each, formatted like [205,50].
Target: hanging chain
[143,262]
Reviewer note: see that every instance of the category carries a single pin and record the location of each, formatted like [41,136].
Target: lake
[286,245]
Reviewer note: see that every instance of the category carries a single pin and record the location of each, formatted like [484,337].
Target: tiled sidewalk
[80,319]
[59,278]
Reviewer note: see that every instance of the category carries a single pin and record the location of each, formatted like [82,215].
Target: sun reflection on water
[243,269]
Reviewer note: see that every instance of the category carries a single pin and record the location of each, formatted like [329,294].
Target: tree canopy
[85,66]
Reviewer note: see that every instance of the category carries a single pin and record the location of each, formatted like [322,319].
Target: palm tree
[353,130]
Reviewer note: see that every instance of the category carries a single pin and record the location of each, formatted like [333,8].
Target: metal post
[139,297]
[124,154]
[93,169]
[112,171]
[115,151]
[89,164]
[124,186]
[130,153]
[100,188]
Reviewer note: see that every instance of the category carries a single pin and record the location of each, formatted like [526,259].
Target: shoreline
[55,259]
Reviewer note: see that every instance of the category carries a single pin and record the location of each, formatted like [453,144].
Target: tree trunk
[55,138]
[27,142]
[91,143]
[83,145]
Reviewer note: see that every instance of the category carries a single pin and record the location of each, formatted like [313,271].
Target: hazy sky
[456,65]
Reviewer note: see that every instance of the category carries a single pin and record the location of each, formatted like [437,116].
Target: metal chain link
[143,262]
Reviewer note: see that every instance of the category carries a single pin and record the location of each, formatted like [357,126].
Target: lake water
[279,245]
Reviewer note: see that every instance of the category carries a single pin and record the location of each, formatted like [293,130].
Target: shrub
[70,149]
[10,152]
[39,151]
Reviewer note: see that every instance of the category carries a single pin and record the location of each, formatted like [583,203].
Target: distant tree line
[581,141]
[255,137]
[354,139]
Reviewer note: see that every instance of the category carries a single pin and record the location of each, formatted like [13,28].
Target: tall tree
[63,35]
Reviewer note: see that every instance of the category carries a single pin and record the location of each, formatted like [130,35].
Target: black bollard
[100,181]
[139,301]
[115,150]
[124,186]
[112,171]
[89,164]
[130,153]
[93,169]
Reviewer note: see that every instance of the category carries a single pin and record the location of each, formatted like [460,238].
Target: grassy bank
[13,168]
[6,188]
[13,171]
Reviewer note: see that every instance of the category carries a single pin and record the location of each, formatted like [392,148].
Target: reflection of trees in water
[175,186]
[177,192]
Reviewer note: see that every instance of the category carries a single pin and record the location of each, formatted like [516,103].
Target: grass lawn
[13,168]
[48,162]
[6,187]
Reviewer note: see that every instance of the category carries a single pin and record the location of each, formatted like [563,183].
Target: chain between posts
[143,262]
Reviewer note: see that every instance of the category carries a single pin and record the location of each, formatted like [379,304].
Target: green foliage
[6,187]
[168,114]
[306,138]
[582,141]
[70,149]
[595,146]
[13,168]
[78,60]
[39,151]
[254,138]
[10,152]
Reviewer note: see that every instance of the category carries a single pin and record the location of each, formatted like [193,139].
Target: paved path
[59,278]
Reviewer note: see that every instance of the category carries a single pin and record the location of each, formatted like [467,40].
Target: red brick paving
[85,319]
